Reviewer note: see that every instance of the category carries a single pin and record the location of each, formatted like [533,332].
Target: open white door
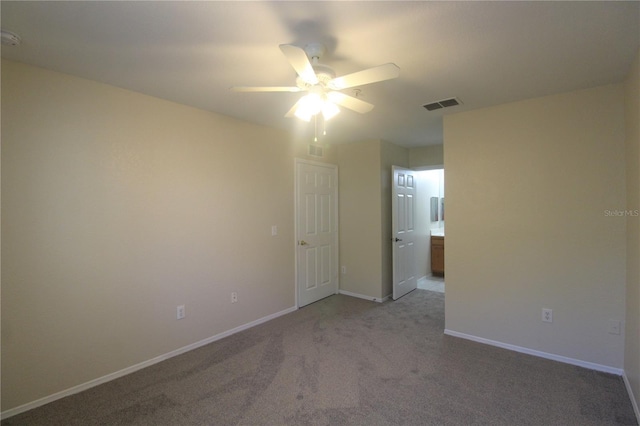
[403,210]
[316,231]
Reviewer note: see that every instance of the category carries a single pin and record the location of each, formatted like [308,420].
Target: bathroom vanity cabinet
[437,255]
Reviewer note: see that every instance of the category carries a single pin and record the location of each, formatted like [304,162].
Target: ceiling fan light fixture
[329,110]
[322,85]
[308,106]
[314,104]
[302,116]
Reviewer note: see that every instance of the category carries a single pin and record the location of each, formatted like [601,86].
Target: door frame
[336,238]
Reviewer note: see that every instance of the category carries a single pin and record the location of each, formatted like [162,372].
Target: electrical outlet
[181,313]
[234,297]
[344,270]
[547,315]
[614,327]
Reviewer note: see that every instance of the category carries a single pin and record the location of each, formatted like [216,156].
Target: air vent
[316,151]
[445,103]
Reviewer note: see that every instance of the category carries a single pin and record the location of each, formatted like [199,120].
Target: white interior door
[316,231]
[403,231]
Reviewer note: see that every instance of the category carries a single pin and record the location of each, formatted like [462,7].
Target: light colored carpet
[348,361]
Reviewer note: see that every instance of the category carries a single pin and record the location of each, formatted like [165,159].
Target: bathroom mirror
[434,209]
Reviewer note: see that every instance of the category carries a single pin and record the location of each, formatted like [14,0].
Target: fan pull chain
[315,120]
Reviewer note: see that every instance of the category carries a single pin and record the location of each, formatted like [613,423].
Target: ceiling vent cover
[316,151]
[445,103]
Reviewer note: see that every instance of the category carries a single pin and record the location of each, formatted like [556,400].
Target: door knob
[398,239]
[303,243]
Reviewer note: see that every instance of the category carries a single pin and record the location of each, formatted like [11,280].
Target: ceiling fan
[322,85]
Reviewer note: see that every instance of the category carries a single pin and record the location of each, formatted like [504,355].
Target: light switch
[274,230]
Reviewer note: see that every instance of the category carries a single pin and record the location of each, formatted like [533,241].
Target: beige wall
[632,127]
[116,208]
[426,157]
[365,215]
[360,217]
[528,184]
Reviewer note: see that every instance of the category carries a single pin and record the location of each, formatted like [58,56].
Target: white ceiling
[484,53]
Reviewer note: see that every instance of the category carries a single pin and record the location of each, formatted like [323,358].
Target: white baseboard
[560,358]
[634,402]
[362,296]
[112,376]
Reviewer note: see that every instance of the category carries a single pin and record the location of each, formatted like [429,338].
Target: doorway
[430,215]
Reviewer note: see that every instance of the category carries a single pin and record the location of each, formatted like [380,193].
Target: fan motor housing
[324,74]
[315,50]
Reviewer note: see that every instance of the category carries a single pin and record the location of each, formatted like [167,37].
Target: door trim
[336,239]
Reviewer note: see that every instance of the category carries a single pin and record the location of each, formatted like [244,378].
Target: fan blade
[298,59]
[370,75]
[265,89]
[349,102]
[292,111]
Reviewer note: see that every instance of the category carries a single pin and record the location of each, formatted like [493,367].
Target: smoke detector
[9,38]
